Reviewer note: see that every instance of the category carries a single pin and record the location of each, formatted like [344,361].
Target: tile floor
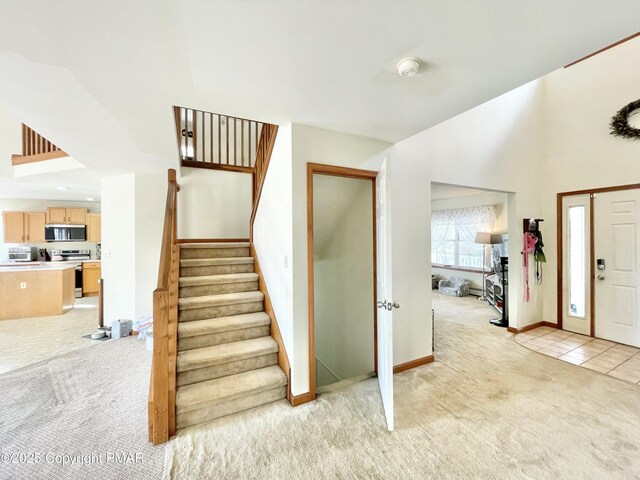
[614,359]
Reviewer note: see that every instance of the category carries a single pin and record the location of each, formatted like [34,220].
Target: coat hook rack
[531,224]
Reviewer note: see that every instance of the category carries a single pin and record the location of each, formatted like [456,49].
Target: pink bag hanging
[530,241]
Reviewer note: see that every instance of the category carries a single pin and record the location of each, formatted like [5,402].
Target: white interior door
[384,291]
[617,253]
[576,237]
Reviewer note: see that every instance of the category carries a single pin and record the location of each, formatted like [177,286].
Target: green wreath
[620,122]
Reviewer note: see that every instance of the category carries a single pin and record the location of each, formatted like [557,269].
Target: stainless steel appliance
[65,233]
[74,256]
[23,254]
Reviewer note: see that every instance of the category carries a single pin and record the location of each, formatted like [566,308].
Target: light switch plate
[23,284]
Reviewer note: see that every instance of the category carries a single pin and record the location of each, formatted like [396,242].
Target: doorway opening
[342,274]
[599,255]
[470,248]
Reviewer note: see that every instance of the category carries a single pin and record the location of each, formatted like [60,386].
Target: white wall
[150,198]
[118,247]
[316,145]
[132,214]
[343,280]
[273,235]
[579,152]
[214,203]
[41,206]
[494,146]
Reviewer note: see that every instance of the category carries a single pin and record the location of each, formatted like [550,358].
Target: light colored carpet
[487,408]
[26,341]
[91,401]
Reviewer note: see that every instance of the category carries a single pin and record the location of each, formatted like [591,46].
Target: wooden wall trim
[283,358]
[300,399]
[40,157]
[560,246]
[413,364]
[338,171]
[531,327]
[212,240]
[216,166]
[626,39]
[560,259]
[357,174]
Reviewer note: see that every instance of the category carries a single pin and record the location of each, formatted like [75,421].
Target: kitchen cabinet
[13,227]
[93,227]
[77,216]
[34,226]
[56,215]
[69,216]
[23,227]
[91,272]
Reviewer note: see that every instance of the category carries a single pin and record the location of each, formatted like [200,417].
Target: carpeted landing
[487,408]
[88,407]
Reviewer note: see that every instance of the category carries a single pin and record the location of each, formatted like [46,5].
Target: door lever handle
[388,305]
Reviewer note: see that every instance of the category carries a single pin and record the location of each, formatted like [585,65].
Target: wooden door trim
[560,246]
[345,172]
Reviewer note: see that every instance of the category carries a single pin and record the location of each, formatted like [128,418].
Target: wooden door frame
[344,172]
[560,248]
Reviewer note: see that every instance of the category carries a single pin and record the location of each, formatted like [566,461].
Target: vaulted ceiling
[99,78]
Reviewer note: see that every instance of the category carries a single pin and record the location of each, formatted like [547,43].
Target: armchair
[455,286]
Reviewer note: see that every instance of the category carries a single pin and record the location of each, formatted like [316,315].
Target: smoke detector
[408,67]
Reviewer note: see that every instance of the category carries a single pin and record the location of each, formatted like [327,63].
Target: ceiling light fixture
[91,199]
[62,188]
[408,67]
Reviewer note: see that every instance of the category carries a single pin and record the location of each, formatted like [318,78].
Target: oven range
[74,256]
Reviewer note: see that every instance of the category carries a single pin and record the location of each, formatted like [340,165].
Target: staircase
[227,360]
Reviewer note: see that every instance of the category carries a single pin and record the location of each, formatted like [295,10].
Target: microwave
[65,233]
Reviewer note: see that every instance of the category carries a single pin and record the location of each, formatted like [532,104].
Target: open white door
[385,302]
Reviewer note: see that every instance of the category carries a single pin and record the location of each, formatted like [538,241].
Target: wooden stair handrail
[263,157]
[162,382]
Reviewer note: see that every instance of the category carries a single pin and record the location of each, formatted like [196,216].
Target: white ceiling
[99,78]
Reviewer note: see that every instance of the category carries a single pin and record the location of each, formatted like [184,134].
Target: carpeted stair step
[214,250]
[215,331]
[222,305]
[215,266]
[215,284]
[207,363]
[205,401]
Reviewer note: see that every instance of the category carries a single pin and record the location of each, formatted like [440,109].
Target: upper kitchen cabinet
[93,227]
[70,216]
[56,215]
[34,226]
[23,227]
[13,227]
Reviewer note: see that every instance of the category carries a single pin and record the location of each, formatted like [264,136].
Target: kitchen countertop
[33,264]
[36,266]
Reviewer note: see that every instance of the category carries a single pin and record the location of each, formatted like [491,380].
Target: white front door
[617,269]
[576,237]
[384,293]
